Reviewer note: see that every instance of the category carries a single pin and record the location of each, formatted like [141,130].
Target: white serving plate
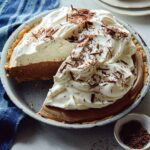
[128,12]
[29,96]
[128,3]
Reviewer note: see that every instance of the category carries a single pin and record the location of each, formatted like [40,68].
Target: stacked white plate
[127,7]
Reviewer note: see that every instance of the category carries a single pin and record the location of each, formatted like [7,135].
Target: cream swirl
[100,70]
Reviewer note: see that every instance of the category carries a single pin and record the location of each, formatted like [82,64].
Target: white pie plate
[125,11]
[29,96]
[128,3]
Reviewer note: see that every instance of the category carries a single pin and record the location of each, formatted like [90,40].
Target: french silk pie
[97,66]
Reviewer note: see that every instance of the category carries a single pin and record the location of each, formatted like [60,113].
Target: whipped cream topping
[100,69]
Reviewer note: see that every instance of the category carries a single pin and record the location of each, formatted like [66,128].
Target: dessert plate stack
[127,7]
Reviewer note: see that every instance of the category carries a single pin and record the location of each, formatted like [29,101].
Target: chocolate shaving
[76,59]
[87,24]
[120,74]
[90,49]
[80,80]
[55,31]
[96,53]
[81,40]
[116,76]
[123,62]
[93,85]
[103,69]
[110,81]
[96,78]
[105,84]
[115,33]
[110,31]
[35,35]
[97,46]
[61,69]
[73,8]
[84,42]
[69,63]
[125,85]
[50,32]
[51,38]
[72,75]
[80,15]
[67,17]
[91,37]
[103,72]
[73,39]
[109,49]
[45,33]
[111,90]
[127,78]
[92,97]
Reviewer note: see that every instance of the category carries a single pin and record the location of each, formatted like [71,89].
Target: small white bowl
[143,119]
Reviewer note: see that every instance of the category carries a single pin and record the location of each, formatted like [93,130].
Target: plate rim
[119,11]
[128,6]
[32,114]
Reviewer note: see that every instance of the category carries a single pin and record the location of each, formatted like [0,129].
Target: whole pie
[97,66]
